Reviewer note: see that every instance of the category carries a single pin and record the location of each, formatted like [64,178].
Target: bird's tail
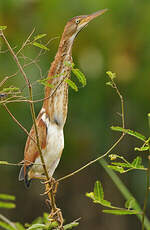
[23,175]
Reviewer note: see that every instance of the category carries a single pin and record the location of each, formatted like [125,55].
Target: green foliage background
[117,41]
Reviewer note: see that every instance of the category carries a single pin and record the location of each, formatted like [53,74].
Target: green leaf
[52,225]
[98,195]
[130,132]
[40,45]
[19,226]
[45,218]
[45,83]
[121,212]
[71,225]
[142,149]
[4,163]
[109,83]
[71,84]
[3,27]
[10,90]
[98,191]
[81,77]
[7,197]
[137,161]
[131,203]
[124,165]
[35,226]
[90,195]
[117,168]
[45,80]
[105,203]
[7,205]
[6,226]
[38,220]
[111,75]
[39,36]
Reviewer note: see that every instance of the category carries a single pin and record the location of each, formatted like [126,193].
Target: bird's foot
[57,216]
[50,181]
[51,186]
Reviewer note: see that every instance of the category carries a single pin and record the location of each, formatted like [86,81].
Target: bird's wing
[31,150]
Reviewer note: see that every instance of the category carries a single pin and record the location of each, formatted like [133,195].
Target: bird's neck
[64,54]
[57,102]
[65,46]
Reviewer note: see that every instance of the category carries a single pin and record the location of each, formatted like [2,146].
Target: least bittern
[52,116]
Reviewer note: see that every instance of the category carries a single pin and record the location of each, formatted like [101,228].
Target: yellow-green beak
[90,17]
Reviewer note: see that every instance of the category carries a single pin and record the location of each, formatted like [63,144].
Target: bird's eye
[77,21]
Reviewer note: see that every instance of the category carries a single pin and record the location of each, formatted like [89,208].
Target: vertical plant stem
[147,192]
[50,194]
[122,103]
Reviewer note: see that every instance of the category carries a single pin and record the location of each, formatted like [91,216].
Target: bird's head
[76,24]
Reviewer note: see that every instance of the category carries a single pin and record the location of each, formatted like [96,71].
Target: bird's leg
[56,214]
[53,185]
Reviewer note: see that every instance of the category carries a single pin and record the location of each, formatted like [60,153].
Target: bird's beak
[90,17]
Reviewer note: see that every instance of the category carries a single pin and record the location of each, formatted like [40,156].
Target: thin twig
[15,58]
[122,103]
[20,125]
[25,43]
[7,77]
[93,161]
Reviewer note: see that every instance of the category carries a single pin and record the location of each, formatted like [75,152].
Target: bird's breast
[54,147]
[53,150]
[55,140]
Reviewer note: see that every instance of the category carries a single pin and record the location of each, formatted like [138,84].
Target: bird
[52,116]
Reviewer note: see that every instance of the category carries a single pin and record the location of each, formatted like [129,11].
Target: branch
[25,43]
[93,161]
[20,125]
[15,58]
[7,77]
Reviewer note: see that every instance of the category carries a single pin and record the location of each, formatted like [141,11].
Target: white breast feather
[53,150]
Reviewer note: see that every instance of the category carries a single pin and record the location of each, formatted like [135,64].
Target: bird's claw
[57,216]
[53,185]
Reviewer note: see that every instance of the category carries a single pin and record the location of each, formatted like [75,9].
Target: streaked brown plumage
[52,117]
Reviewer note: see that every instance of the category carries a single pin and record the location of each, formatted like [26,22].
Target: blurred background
[118,41]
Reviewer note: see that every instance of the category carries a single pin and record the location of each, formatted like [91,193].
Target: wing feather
[31,150]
